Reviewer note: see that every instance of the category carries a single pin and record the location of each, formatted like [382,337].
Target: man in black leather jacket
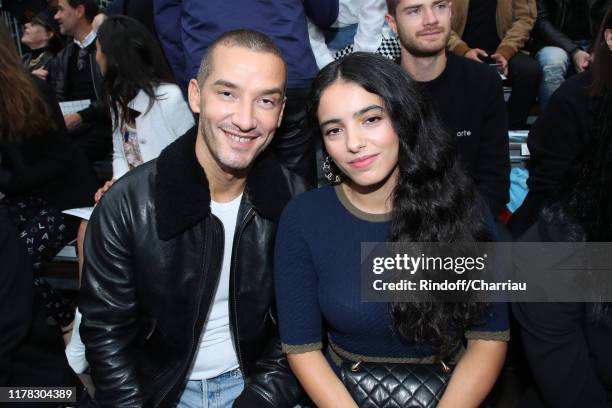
[163,263]
[562,38]
[75,75]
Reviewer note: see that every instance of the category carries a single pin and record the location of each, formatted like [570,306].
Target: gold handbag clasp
[355,367]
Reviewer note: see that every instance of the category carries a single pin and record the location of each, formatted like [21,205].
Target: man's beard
[413,49]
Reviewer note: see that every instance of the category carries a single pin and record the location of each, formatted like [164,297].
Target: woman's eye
[372,120]
[332,131]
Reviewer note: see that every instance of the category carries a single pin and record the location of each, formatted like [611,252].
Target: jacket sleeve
[53,78]
[518,34]
[96,112]
[457,45]
[322,54]
[322,13]
[167,15]
[545,32]
[553,143]
[369,30]
[492,173]
[273,384]
[108,304]
[556,348]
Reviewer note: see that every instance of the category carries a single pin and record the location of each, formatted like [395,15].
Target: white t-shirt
[217,354]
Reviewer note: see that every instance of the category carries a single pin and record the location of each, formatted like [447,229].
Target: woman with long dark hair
[41,171]
[398,179]
[568,345]
[147,108]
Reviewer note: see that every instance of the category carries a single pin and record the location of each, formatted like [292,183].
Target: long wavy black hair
[433,201]
[134,62]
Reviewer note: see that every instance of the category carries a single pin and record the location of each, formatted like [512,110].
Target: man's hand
[581,59]
[72,120]
[500,59]
[41,73]
[103,190]
[474,54]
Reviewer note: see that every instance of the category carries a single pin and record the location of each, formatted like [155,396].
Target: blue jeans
[555,64]
[217,392]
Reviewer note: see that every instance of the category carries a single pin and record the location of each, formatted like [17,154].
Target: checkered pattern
[389,48]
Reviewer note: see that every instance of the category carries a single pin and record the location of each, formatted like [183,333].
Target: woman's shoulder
[166,91]
[311,202]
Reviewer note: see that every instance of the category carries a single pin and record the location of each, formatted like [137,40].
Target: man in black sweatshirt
[468,96]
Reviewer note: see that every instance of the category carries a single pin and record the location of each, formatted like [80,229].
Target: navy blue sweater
[187,27]
[318,283]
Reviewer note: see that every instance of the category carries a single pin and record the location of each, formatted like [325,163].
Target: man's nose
[244,116]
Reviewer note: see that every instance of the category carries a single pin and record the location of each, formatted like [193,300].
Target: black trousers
[293,144]
[524,75]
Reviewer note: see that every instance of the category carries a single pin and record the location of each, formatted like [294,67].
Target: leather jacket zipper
[246,220]
[207,255]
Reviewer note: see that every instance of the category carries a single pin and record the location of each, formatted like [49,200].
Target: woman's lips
[364,161]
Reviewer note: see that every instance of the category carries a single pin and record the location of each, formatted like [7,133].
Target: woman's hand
[319,380]
[103,190]
[475,374]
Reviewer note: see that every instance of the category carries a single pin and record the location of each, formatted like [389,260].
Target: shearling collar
[182,196]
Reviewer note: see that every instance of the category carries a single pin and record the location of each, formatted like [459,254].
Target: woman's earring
[331,172]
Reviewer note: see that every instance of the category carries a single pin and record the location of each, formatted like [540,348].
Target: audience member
[15,294]
[187,27]
[177,287]
[467,96]
[75,76]
[562,34]
[568,344]
[41,172]
[41,36]
[147,108]
[359,27]
[381,136]
[561,133]
[495,31]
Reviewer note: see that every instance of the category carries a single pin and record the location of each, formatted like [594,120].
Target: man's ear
[80,11]
[391,21]
[280,116]
[608,37]
[193,95]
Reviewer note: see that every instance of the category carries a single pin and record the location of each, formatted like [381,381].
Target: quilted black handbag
[389,385]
